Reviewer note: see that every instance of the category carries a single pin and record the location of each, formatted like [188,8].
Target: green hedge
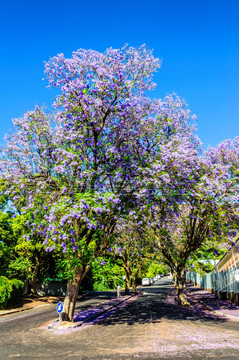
[10,292]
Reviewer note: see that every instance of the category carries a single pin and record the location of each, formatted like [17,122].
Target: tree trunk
[72,293]
[179,276]
[134,283]
[70,299]
[33,281]
[127,282]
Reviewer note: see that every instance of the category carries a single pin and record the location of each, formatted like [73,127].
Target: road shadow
[157,303]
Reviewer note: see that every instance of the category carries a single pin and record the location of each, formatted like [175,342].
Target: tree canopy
[108,154]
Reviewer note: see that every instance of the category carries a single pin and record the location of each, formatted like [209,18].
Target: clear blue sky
[198,42]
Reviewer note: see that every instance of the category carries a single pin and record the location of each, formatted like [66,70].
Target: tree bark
[134,283]
[179,276]
[72,293]
[127,282]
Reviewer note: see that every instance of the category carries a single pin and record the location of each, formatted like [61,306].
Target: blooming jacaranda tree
[196,208]
[84,167]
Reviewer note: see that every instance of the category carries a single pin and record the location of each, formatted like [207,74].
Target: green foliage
[4,258]
[14,250]
[19,258]
[202,267]
[16,294]
[10,292]
[3,197]
[106,274]
[7,242]
[5,227]
[5,291]
[202,260]
[65,267]
[21,267]
[24,252]
[156,268]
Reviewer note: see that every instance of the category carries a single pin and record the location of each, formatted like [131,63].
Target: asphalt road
[145,328]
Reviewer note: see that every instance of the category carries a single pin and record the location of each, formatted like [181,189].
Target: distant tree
[156,267]
[133,248]
[203,259]
[106,273]
[202,208]
[30,261]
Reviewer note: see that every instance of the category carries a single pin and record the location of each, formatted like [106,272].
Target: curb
[80,323]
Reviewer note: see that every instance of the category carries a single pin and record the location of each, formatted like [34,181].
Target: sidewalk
[211,301]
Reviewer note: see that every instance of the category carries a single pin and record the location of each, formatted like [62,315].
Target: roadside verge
[92,313]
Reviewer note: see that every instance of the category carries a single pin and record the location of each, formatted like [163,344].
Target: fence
[222,283]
